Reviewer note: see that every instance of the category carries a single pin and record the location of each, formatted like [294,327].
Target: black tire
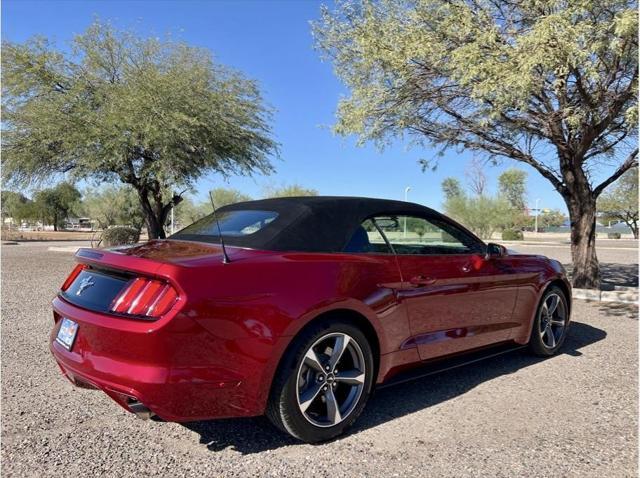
[545,341]
[284,409]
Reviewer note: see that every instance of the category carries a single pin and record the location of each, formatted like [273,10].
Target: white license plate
[67,333]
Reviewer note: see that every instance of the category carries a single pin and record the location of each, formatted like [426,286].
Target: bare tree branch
[630,162]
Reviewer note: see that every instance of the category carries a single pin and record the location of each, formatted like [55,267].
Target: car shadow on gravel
[255,435]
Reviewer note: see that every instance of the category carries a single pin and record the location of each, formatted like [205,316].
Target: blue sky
[271,41]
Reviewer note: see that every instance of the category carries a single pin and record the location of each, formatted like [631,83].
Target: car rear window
[235,223]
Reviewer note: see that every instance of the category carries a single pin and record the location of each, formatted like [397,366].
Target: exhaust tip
[140,410]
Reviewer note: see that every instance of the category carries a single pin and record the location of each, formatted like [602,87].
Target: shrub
[512,235]
[120,235]
[614,235]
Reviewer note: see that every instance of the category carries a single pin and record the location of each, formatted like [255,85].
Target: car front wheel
[551,323]
[323,383]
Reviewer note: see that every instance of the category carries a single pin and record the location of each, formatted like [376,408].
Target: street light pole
[406,193]
[537,213]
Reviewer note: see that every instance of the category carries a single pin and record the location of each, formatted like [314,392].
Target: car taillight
[74,273]
[145,297]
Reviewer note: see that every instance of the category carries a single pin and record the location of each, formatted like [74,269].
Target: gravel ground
[572,415]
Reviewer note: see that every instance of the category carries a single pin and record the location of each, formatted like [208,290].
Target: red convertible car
[299,312]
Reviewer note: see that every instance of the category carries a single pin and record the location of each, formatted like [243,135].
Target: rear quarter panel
[253,306]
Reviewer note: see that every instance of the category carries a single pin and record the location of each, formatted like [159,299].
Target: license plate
[67,333]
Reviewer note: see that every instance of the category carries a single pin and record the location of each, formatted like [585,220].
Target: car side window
[367,240]
[421,236]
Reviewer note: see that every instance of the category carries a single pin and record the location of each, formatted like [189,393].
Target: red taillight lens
[145,297]
[74,273]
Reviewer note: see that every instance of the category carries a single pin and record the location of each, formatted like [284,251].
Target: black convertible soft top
[303,224]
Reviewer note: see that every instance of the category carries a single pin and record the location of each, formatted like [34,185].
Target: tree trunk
[155,229]
[55,222]
[582,213]
[156,214]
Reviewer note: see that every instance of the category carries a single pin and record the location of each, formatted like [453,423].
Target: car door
[456,298]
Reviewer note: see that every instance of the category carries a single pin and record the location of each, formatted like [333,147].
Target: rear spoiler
[112,259]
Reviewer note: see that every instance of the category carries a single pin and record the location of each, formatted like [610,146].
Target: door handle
[422,280]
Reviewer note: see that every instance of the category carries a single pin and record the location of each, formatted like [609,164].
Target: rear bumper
[173,369]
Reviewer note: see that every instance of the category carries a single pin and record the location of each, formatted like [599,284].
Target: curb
[627,295]
[72,249]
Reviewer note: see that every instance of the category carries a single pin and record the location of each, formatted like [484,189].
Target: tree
[483,215]
[451,188]
[224,196]
[511,185]
[549,218]
[55,204]
[621,203]
[476,178]
[550,84]
[293,190]
[16,206]
[113,206]
[153,114]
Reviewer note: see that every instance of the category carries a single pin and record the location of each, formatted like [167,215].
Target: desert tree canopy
[155,114]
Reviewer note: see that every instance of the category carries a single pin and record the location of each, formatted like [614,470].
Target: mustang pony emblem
[85,284]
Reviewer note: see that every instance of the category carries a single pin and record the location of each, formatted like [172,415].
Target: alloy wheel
[553,320]
[330,379]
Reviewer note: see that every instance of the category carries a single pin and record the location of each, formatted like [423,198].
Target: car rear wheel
[323,382]
[551,323]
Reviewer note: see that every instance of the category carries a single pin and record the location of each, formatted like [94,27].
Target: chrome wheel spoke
[545,310]
[557,322]
[552,304]
[550,337]
[351,377]
[311,359]
[341,343]
[333,409]
[307,398]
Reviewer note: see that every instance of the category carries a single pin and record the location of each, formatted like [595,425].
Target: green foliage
[113,205]
[153,114]
[483,215]
[451,188]
[16,206]
[621,203]
[120,236]
[489,76]
[224,196]
[55,204]
[614,235]
[512,235]
[294,190]
[511,184]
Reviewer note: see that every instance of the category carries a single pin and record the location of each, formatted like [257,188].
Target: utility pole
[537,213]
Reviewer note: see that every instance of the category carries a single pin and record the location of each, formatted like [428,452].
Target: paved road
[571,415]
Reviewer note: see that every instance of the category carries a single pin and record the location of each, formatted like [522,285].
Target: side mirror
[495,250]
